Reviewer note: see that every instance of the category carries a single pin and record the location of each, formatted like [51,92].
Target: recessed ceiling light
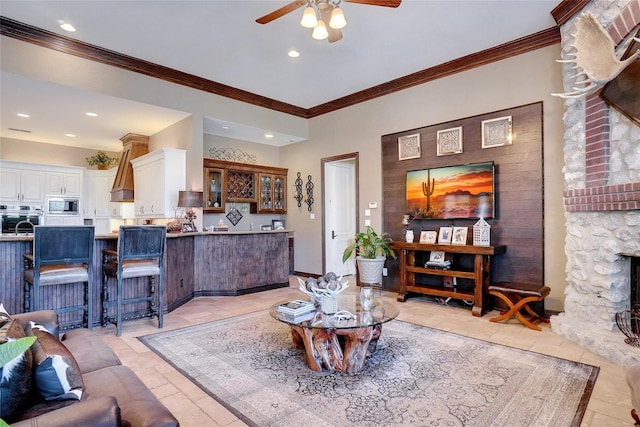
[70,135]
[92,114]
[268,135]
[293,53]
[68,27]
[225,127]
[25,115]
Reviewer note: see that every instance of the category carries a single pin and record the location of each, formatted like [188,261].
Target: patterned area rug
[418,376]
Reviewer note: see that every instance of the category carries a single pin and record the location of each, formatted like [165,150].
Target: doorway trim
[349,156]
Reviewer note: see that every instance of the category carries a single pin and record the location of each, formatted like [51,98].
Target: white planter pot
[370,270]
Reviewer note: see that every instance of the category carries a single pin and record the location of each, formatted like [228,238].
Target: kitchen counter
[225,263]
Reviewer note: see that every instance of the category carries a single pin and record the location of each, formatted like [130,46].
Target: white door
[340,212]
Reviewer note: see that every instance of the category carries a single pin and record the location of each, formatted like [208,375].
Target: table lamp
[190,200]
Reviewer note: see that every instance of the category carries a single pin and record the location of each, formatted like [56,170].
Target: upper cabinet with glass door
[273,194]
[213,190]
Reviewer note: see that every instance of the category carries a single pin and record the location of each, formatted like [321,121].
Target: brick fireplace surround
[602,203]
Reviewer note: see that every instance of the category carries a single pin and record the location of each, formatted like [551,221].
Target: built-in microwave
[56,205]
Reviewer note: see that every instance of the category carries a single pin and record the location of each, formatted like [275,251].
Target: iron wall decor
[232,155]
[309,200]
[298,185]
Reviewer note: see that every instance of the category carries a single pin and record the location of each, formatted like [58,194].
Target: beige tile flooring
[609,405]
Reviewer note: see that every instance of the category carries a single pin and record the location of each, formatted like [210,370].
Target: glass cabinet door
[266,192]
[213,190]
[279,193]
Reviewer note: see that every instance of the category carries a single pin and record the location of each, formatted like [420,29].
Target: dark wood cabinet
[263,187]
[179,287]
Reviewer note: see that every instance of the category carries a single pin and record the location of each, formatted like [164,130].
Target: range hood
[133,146]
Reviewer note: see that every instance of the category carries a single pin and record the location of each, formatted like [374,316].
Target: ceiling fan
[324,16]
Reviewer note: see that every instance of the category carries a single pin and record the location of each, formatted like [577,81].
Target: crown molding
[567,9]
[60,43]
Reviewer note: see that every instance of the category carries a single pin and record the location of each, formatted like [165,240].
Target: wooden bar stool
[517,296]
[140,254]
[61,255]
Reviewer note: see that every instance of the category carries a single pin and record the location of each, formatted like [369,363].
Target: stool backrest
[141,242]
[54,245]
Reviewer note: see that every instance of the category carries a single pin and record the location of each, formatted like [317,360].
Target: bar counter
[197,264]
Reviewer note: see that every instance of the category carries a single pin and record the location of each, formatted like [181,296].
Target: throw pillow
[15,376]
[56,375]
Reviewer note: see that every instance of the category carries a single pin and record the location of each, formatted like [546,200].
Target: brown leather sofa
[113,395]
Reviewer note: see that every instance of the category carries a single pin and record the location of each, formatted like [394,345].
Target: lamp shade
[190,199]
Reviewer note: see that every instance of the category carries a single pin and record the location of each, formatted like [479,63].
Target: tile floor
[609,405]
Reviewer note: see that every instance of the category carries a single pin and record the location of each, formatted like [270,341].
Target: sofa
[97,390]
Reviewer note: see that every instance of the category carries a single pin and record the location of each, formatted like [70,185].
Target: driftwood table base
[344,350]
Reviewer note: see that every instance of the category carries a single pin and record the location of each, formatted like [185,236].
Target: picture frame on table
[459,236]
[277,224]
[409,147]
[449,141]
[428,237]
[444,235]
[436,256]
[496,132]
[266,227]
[186,228]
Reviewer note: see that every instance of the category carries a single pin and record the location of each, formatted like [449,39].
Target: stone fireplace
[602,204]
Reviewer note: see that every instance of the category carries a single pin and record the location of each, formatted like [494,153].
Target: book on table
[297,318]
[296,307]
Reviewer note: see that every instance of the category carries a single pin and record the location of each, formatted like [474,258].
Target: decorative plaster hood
[133,146]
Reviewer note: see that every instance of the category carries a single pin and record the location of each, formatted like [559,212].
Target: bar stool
[140,254]
[61,255]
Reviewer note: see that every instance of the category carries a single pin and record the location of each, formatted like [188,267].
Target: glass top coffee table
[341,341]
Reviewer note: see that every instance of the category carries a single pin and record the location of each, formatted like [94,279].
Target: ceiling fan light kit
[318,14]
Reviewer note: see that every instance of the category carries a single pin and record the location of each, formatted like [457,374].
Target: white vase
[370,270]
[409,236]
[366,297]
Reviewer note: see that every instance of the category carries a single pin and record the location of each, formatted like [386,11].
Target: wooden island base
[344,350]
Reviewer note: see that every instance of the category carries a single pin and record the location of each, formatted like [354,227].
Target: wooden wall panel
[519,189]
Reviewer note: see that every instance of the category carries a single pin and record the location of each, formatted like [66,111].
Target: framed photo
[428,237]
[186,228]
[277,224]
[444,236]
[459,236]
[496,132]
[436,256]
[266,227]
[449,141]
[409,147]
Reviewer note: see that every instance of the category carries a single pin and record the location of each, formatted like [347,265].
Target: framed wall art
[444,236]
[409,147]
[496,132]
[449,141]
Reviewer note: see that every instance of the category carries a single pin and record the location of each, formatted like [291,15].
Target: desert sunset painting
[464,191]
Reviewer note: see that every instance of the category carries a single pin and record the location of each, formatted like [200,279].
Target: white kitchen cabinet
[158,177]
[122,210]
[63,220]
[64,183]
[20,185]
[97,193]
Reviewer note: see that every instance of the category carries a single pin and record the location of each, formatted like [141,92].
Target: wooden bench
[517,296]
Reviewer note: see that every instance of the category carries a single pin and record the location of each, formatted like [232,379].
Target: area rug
[418,376]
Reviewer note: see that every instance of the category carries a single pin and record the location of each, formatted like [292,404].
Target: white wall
[515,81]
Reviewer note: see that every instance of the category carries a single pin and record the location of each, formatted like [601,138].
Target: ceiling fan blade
[281,12]
[385,3]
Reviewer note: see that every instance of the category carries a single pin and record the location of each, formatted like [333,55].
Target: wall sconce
[190,200]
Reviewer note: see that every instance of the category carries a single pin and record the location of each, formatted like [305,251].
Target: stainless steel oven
[58,205]
[18,219]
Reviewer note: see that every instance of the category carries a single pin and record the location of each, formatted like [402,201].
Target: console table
[480,273]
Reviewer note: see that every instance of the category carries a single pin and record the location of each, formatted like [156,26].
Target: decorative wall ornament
[298,185]
[309,200]
[234,216]
[409,147]
[496,132]
[595,55]
[449,141]
[232,155]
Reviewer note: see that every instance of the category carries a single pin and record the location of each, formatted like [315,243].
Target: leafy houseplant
[102,160]
[371,252]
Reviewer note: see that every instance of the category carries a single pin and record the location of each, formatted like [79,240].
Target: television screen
[464,191]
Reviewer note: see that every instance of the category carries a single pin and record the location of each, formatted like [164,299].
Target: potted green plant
[371,252]
[101,160]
